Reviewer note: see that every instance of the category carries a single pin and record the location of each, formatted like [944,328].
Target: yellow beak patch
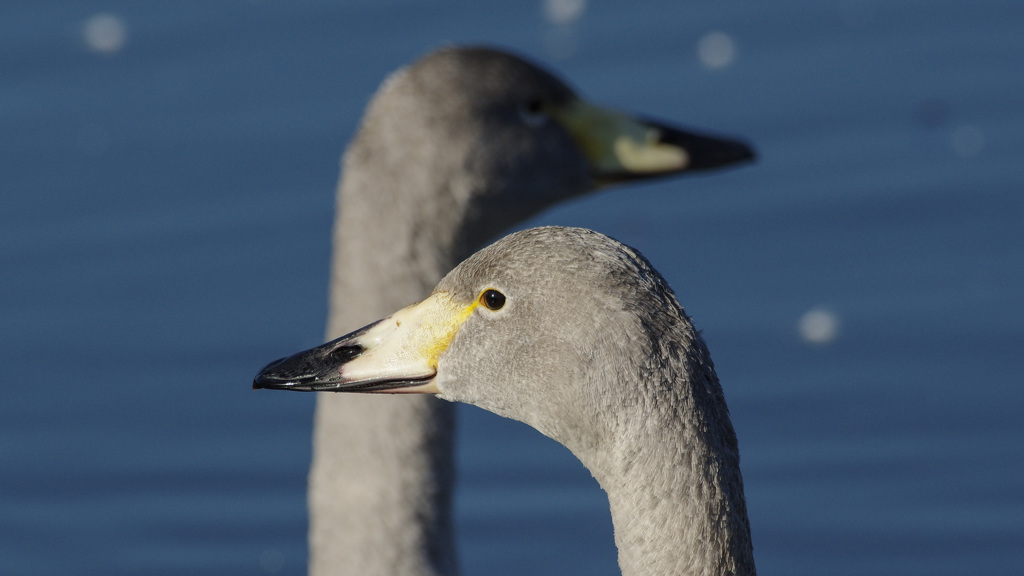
[614,142]
[408,343]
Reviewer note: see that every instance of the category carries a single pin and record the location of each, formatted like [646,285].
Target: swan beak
[396,355]
[621,147]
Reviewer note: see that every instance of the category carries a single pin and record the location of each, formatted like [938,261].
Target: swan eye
[532,112]
[492,299]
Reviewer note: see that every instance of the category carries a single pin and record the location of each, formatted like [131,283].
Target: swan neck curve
[673,478]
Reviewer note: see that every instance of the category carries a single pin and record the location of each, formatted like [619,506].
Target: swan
[452,150]
[578,336]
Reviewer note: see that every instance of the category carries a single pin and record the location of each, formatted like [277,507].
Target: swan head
[559,328]
[489,135]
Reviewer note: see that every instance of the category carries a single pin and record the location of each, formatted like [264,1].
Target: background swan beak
[621,147]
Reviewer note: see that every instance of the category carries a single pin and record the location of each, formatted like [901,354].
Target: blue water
[165,212]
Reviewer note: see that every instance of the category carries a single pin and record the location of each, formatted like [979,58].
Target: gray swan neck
[672,474]
[400,243]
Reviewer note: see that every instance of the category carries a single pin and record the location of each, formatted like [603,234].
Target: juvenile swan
[453,149]
[578,336]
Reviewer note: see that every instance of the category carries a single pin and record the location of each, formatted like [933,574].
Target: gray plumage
[592,349]
[452,150]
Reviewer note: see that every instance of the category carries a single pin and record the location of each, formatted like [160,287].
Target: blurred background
[167,175]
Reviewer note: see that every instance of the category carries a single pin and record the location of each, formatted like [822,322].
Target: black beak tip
[261,382]
[707,151]
[744,152]
[269,378]
[264,382]
[715,153]
[311,370]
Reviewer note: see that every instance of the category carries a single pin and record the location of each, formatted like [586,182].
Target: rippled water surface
[166,193]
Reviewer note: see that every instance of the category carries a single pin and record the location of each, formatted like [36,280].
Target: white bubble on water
[560,39]
[563,11]
[818,326]
[716,50]
[104,32]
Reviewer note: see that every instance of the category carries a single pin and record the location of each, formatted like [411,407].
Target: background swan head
[481,139]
